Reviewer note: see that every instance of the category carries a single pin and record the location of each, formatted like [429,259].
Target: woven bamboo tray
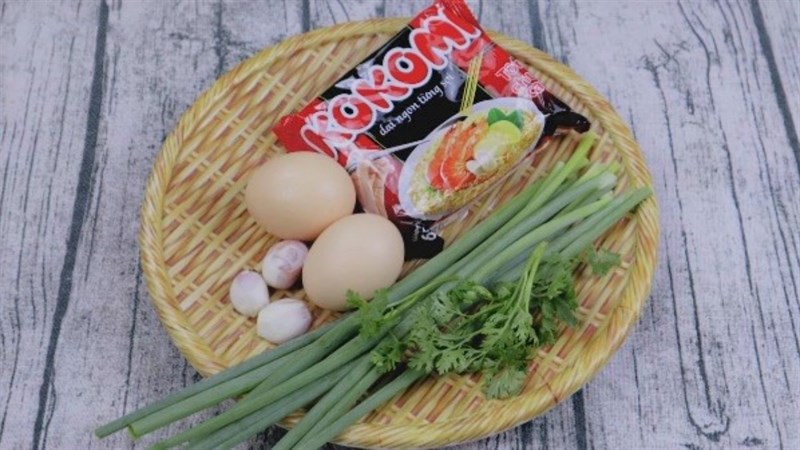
[196,235]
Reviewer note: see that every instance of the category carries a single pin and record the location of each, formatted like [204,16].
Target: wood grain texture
[717,342]
[89,89]
[47,67]
[779,35]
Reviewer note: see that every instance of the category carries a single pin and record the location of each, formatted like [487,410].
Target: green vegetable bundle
[482,305]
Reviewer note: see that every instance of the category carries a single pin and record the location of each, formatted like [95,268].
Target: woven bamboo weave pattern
[196,235]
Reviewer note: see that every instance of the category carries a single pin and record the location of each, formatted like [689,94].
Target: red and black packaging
[418,150]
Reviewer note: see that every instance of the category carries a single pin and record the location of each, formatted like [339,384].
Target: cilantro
[388,354]
[507,383]
[471,328]
[603,261]
[371,313]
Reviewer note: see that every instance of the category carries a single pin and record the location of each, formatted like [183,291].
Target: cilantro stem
[523,289]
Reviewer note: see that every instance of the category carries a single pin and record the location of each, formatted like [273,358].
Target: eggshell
[297,195]
[362,252]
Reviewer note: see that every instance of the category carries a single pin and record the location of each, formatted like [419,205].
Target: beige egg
[362,252]
[297,195]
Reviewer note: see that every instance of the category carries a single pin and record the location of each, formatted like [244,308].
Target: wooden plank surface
[89,89]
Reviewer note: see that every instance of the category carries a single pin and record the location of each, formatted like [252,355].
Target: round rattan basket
[196,235]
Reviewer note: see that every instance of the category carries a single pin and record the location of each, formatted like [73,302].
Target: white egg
[283,320]
[362,252]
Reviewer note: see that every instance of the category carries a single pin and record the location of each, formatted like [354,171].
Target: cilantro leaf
[603,261]
[507,383]
[371,313]
[489,329]
[388,354]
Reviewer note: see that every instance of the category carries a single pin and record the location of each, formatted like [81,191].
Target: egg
[297,195]
[362,252]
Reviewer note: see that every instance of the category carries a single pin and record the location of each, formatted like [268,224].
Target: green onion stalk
[220,379]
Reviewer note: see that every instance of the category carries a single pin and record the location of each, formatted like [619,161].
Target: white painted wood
[46,64]
[778,25]
[715,360]
[156,59]
[149,54]
[717,342]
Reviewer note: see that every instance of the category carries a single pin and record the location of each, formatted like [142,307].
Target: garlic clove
[249,293]
[283,263]
[283,320]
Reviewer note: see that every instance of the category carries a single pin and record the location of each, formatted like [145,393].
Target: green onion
[569,208]
[577,239]
[462,246]
[251,425]
[274,372]
[336,399]
[491,247]
[485,266]
[340,357]
[220,378]
[381,396]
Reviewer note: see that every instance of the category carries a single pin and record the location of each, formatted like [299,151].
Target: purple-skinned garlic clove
[249,293]
[283,263]
[283,320]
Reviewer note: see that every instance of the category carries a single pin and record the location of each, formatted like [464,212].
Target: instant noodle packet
[429,122]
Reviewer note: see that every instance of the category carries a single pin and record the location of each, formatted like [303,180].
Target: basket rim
[457,430]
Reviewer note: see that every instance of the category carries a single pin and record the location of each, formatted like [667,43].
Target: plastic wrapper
[429,122]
